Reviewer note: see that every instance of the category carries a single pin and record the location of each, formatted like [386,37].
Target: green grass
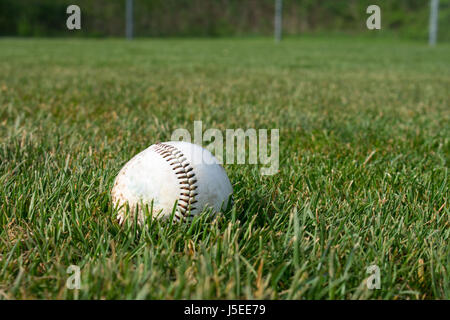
[364,154]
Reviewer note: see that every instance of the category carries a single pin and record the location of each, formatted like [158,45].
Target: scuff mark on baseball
[170,175]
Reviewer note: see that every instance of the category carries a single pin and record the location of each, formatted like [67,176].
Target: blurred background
[219,18]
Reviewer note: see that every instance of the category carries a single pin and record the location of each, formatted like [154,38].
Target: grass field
[363,180]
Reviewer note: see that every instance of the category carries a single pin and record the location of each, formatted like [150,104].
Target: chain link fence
[218,18]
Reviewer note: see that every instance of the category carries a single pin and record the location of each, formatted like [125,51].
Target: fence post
[278,19]
[129,19]
[434,8]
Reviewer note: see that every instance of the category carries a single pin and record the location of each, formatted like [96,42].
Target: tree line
[217,18]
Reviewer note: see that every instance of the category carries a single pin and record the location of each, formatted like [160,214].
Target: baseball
[170,176]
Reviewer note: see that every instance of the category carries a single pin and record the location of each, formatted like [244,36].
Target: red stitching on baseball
[187,180]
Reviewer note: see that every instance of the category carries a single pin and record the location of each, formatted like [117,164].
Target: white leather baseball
[168,174]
